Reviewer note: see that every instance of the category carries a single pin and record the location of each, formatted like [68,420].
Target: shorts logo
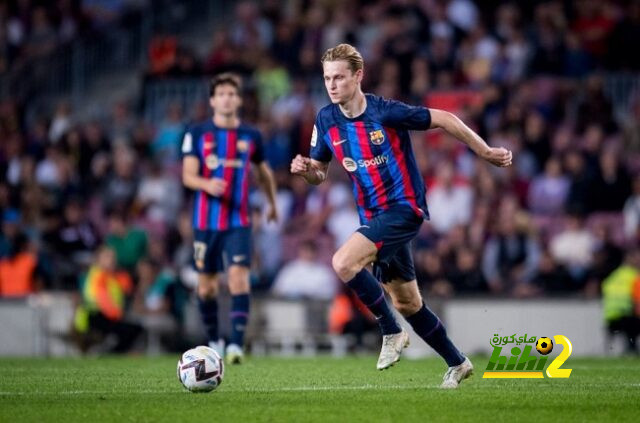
[376,137]
[349,164]
[243,146]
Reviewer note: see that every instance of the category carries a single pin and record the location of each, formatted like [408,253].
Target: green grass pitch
[140,389]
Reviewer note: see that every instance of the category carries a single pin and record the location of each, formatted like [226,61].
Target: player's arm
[191,178]
[313,171]
[451,124]
[267,182]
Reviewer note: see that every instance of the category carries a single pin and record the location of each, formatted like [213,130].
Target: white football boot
[234,355]
[392,346]
[218,347]
[457,374]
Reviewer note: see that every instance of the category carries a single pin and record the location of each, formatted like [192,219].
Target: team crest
[212,161]
[243,146]
[376,137]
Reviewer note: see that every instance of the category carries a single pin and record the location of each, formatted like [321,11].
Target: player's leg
[238,254]
[349,263]
[208,288]
[378,240]
[402,287]
[208,262]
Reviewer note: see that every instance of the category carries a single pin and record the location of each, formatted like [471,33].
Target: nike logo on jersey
[238,258]
[339,142]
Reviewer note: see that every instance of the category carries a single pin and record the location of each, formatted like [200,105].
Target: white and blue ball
[200,369]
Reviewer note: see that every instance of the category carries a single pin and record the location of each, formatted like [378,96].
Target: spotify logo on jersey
[349,164]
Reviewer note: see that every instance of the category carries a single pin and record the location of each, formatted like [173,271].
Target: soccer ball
[200,369]
[544,345]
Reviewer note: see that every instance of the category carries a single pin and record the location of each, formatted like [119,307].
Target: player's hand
[300,165]
[272,214]
[500,157]
[215,187]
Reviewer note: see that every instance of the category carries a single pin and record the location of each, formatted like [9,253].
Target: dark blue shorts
[213,251]
[392,232]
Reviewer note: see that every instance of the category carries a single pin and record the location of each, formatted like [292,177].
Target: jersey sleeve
[188,144]
[401,115]
[258,152]
[320,151]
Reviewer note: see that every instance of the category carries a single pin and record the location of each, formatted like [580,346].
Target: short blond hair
[345,52]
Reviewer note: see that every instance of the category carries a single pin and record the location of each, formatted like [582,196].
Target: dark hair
[224,79]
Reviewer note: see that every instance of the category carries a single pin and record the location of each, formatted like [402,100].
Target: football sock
[430,328]
[371,294]
[209,314]
[239,316]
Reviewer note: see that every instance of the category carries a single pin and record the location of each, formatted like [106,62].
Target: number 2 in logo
[554,370]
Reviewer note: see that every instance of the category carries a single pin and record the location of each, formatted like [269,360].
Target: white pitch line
[265,390]
[249,390]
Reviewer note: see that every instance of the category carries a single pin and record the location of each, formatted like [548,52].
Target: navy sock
[371,294]
[430,328]
[209,314]
[239,317]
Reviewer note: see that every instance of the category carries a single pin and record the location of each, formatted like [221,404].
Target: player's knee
[345,268]
[407,305]
[238,280]
[207,287]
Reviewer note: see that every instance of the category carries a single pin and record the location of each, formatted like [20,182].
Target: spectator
[574,248]
[19,273]
[305,277]
[450,200]
[73,242]
[157,291]
[548,192]
[620,300]
[121,186]
[552,277]
[511,255]
[611,186]
[128,243]
[632,214]
[465,276]
[157,196]
[104,291]
[580,180]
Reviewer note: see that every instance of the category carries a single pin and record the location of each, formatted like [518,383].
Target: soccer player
[369,137]
[216,163]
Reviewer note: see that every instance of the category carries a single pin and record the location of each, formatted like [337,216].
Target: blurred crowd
[525,75]
[32,29]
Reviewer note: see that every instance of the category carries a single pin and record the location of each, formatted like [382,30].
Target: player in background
[217,156]
[369,137]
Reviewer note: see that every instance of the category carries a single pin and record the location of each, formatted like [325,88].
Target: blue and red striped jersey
[226,154]
[375,150]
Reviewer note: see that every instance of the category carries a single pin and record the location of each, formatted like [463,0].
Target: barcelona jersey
[375,150]
[226,154]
